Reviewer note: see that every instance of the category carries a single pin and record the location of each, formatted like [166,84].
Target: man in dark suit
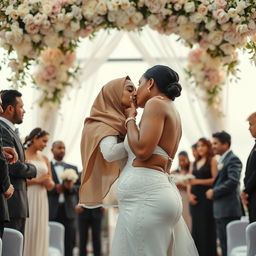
[248,195]
[89,219]
[63,198]
[13,112]
[6,188]
[225,191]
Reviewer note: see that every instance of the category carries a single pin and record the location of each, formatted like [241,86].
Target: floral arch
[48,32]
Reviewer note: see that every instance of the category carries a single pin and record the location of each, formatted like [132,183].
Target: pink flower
[50,72]
[87,31]
[221,16]
[221,3]
[195,56]
[32,28]
[204,44]
[56,8]
[214,76]
[51,56]
[70,59]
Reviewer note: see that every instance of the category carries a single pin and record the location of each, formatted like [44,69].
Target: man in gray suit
[225,191]
[13,112]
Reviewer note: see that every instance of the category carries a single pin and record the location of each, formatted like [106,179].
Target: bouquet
[182,178]
[69,175]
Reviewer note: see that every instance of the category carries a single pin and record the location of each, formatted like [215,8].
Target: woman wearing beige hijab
[107,120]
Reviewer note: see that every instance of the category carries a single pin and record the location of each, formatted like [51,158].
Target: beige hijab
[106,119]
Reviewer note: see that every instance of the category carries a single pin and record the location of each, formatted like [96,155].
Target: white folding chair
[236,243]
[56,242]
[250,235]
[12,242]
[0,247]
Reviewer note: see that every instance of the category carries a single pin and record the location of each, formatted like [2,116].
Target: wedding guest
[89,219]
[6,188]
[20,171]
[203,227]
[36,228]
[225,191]
[182,172]
[248,195]
[63,198]
[194,151]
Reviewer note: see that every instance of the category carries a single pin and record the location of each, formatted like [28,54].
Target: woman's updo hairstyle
[35,133]
[166,80]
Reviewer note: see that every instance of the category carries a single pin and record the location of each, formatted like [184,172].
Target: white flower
[153,20]
[23,10]
[28,18]
[232,12]
[59,26]
[36,38]
[122,19]
[52,40]
[125,4]
[111,16]
[189,7]
[98,20]
[102,8]
[252,25]
[137,18]
[211,25]
[112,6]
[39,18]
[75,26]
[243,28]
[187,31]
[182,20]
[69,175]
[227,48]
[196,17]
[155,6]
[47,7]
[76,12]
[202,9]
[241,5]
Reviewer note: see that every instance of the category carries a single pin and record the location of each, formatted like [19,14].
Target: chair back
[12,242]
[56,237]
[236,234]
[250,235]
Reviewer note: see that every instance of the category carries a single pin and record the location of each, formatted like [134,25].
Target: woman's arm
[111,149]
[144,141]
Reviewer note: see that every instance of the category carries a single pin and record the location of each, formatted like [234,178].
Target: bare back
[160,126]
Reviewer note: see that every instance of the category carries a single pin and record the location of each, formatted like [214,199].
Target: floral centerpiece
[216,27]
[69,175]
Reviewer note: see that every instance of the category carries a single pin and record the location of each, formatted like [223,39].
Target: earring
[148,89]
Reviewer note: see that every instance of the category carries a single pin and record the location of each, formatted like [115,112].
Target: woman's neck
[31,150]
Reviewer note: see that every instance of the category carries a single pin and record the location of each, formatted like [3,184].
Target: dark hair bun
[166,80]
[173,90]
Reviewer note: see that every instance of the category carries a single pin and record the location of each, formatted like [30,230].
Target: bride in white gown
[150,205]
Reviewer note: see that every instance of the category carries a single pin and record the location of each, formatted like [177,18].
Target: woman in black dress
[203,227]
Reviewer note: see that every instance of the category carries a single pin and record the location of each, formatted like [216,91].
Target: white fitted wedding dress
[150,208]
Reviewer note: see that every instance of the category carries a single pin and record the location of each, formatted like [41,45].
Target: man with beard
[63,198]
[13,113]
